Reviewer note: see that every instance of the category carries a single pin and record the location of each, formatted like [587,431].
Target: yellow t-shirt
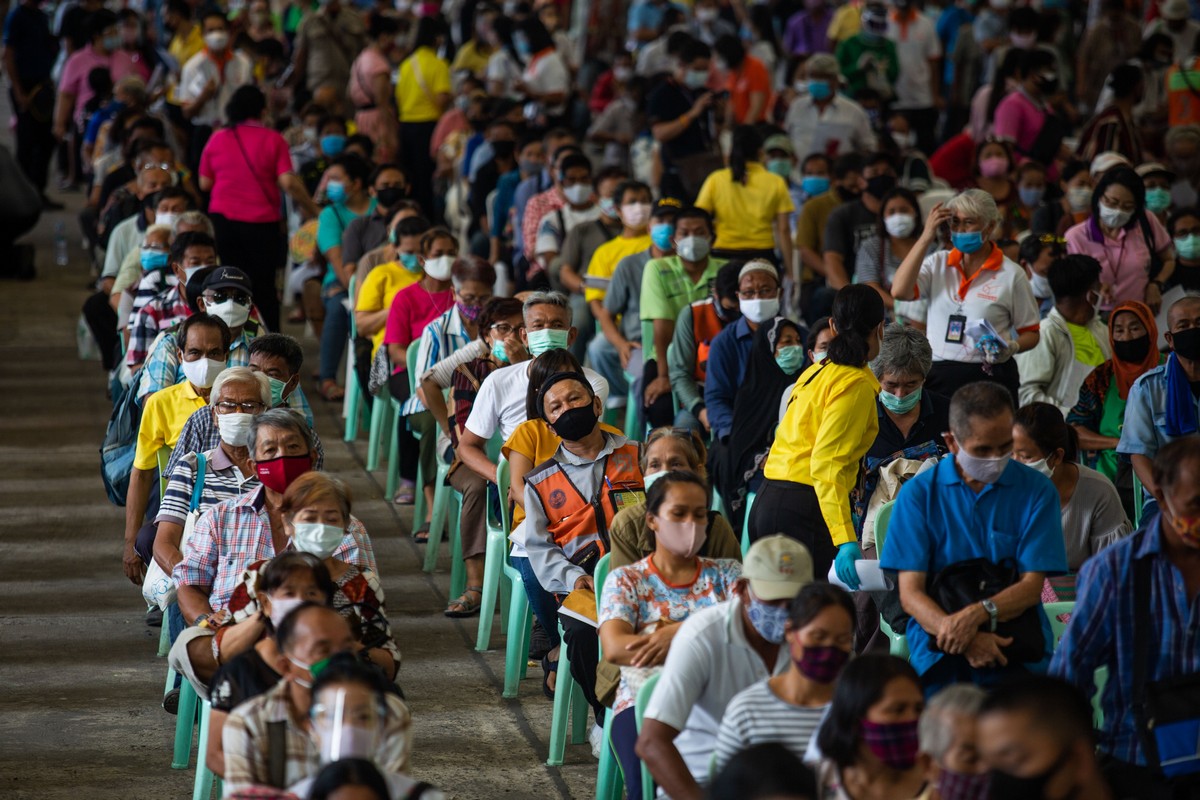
[829,425]
[472,57]
[604,263]
[423,76]
[1087,349]
[182,50]
[162,420]
[846,22]
[745,215]
[538,442]
[378,289]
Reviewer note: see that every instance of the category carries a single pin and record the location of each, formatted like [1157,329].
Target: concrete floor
[80,686]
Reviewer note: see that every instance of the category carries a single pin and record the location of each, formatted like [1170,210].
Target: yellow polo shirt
[604,263]
[162,420]
[472,57]
[830,423]
[380,287]
[182,50]
[745,214]
[423,76]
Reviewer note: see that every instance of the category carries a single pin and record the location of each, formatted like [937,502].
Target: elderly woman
[982,310]
[242,531]
[643,603]
[947,737]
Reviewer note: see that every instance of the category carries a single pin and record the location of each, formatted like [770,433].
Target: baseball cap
[1174,9]
[779,142]
[822,64]
[778,567]
[1154,168]
[758,265]
[228,278]
[1106,161]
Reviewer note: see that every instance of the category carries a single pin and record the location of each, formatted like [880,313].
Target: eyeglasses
[759,294]
[226,407]
[158,248]
[474,299]
[158,165]
[218,297]
[504,329]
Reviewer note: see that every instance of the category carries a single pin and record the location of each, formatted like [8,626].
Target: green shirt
[869,63]
[667,290]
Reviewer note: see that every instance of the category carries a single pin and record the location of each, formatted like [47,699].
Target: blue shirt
[949,23]
[938,520]
[726,368]
[506,192]
[1144,432]
[1100,632]
[534,184]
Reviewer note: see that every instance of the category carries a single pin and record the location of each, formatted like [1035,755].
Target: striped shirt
[756,716]
[223,481]
[150,286]
[445,335]
[161,313]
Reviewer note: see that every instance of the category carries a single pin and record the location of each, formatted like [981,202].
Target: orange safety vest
[577,522]
[705,327]
[1183,94]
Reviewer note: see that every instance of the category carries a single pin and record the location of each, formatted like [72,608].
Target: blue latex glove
[843,565]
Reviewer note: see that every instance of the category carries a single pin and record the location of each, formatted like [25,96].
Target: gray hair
[156,228]
[281,419]
[936,735]
[982,399]
[905,351]
[975,203]
[548,299]
[195,218]
[246,377]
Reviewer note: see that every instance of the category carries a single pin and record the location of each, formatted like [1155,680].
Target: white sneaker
[596,740]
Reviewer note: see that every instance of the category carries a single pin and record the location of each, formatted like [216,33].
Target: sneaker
[596,740]
[171,702]
[539,643]
[154,617]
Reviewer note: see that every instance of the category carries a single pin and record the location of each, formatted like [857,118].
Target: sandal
[330,391]
[406,494]
[467,607]
[548,667]
[421,534]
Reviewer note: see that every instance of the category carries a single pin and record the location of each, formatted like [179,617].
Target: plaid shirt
[200,433]
[163,312]
[234,534]
[247,742]
[1100,633]
[162,368]
[222,481]
[539,206]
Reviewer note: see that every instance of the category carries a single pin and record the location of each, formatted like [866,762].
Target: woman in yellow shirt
[750,206]
[829,425]
[423,93]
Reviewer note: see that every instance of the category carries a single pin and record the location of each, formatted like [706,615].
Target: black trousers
[946,377]
[102,321]
[35,145]
[409,446]
[415,139]
[258,249]
[583,651]
[660,413]
[792,509]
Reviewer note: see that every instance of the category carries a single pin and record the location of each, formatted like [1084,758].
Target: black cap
[559,377]
[228,278]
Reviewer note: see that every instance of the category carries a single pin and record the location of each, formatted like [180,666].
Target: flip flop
[421,534]
[548,666]
[469,608]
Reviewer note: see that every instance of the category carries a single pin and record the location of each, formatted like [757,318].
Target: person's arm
[62,113]
[664,329]
[14,80]
[1143,467]
[608,325]
[754,109]
[472,451]
[831,453]
[398,353]
[554,572]
[783,241]
[370,322]
[193,601]
[435,403]
[1038,368]
[166,545]
[519,466]
[833,257]
[137,498]
[656,748]
[215,754]
[673,129]
[241,636]
[1090,440]
[341,270]
[290,182]
[904,283]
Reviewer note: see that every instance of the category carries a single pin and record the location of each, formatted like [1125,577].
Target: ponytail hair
[857,311]
[746,146]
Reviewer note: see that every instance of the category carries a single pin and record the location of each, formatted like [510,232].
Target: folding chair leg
[185,726]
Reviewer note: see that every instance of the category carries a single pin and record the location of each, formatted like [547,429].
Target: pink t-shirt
[412,309]
[126,63]
[1124,261]
[245,178]
[75,77]
[1019,120]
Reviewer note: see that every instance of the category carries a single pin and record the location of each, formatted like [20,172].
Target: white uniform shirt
[914,48]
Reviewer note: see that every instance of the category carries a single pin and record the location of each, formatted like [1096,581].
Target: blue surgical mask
[411,262]
[790,358]
[648,480]
[153,259]
[333,144]
[770,621]
[521,44]
[546,339]
[335,192]
[277,387]
[499,352]
[695,78]
[813,185]
[967,241]
[1158,199]
[900,405]
[1188,247]
[1031,195]
[661,233]
[820,90]
[781,167]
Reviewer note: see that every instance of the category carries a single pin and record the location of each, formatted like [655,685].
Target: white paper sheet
[870,577]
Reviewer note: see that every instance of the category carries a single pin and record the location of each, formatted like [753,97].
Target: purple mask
[470,313]
[822,664]
[962,785]
[893,743]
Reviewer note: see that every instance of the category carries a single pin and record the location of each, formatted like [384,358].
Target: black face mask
[1133,351]
[1188,277]
[1047,85]
[390,195]
[575,424]
[1186,344]
[880,185]
[847,194]
[726,315]
[1004,786]
[504,149]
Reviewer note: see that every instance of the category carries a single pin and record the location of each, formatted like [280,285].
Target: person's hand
[957,630]
[984,650]
[703,417]
[657,388]
[701,105]
[1153,297]
[218,618]
[937,215]
[131,562]
[585,582]
[515,349]
[625,350]
[651,650]
[844,566]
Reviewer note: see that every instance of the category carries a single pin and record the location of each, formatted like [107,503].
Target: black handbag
[968,582]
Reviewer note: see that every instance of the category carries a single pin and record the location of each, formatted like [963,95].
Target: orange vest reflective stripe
[705,327]
[1183,94]
[572,519]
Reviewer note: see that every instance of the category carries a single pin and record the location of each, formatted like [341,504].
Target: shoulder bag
[969,582]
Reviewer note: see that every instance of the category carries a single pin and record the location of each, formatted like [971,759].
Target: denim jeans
[541,601]
[335,333]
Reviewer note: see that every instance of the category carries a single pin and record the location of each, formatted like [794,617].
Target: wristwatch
[200,620]
[992,611]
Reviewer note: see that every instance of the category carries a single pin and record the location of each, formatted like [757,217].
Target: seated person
[205,346]
[387,252]
[315,642]
[643,604]
[1073,338]
[949,740]
[818,340]
[151,263]
[1092,517]
[190,253]
[377,290]
[669,450]
[593,472]
[975,504]
[237,533]
[868,741]
[361,775]
[281,584]
[789,708]
[1036,254]
[764,772]
[718,652]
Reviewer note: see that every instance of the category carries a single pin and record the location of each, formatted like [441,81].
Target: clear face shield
[348,722]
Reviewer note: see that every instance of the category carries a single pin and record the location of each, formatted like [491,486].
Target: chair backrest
[599,575]
[164,458]
[882,517]
[503,481]
[410,358]
[746,523]
[1139,500]
[1057,626]
[353,324]
[643,698]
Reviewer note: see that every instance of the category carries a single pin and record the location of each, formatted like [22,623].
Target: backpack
[120,443]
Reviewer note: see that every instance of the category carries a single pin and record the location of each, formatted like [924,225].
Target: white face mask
[1078,198]
[904,141]
[190,272]
[202,372]
[232,313]
[281,607]
[216,40]
[693,248]
[1041,285]
[439,268]
[317,538]
[1114,217]
[759,310]
[234,428]
[168,218]
[635,215]
[984,470]
[578,194]
[818,356]
[1041,466]
[900,225]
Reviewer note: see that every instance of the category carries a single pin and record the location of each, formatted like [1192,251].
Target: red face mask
[277,474]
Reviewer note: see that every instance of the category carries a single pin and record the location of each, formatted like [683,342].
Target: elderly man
[822,120]
[236,533]
[128,233]
[1163,404]
[947,735]
[190,253]
[977,506]
[316,642]
[202,353]
[717,653]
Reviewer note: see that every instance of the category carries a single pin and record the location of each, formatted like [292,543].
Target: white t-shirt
[709,663]
[1000,294]
[548,74]
[500,403]
[914,48]
[553,229]
[199,70]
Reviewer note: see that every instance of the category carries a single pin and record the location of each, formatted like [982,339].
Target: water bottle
[61,253]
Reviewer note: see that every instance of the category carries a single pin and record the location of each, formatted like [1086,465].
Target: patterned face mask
[770,621]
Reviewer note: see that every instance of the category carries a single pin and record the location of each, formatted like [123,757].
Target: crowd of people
[860,343]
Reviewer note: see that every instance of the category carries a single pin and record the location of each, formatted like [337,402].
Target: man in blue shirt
[1166,553]
[976,503]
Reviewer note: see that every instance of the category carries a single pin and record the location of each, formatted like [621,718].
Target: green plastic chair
[393,472]
[164,647]
[164,458]
[382,429]
[1057,626]
[519,632]
[185,725]
[746,523]
[608,771]
[1139,500]
[206,780]
[1101,680]
[897,642]
[568,702]
[639,711]
[495,559]
[354,399]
